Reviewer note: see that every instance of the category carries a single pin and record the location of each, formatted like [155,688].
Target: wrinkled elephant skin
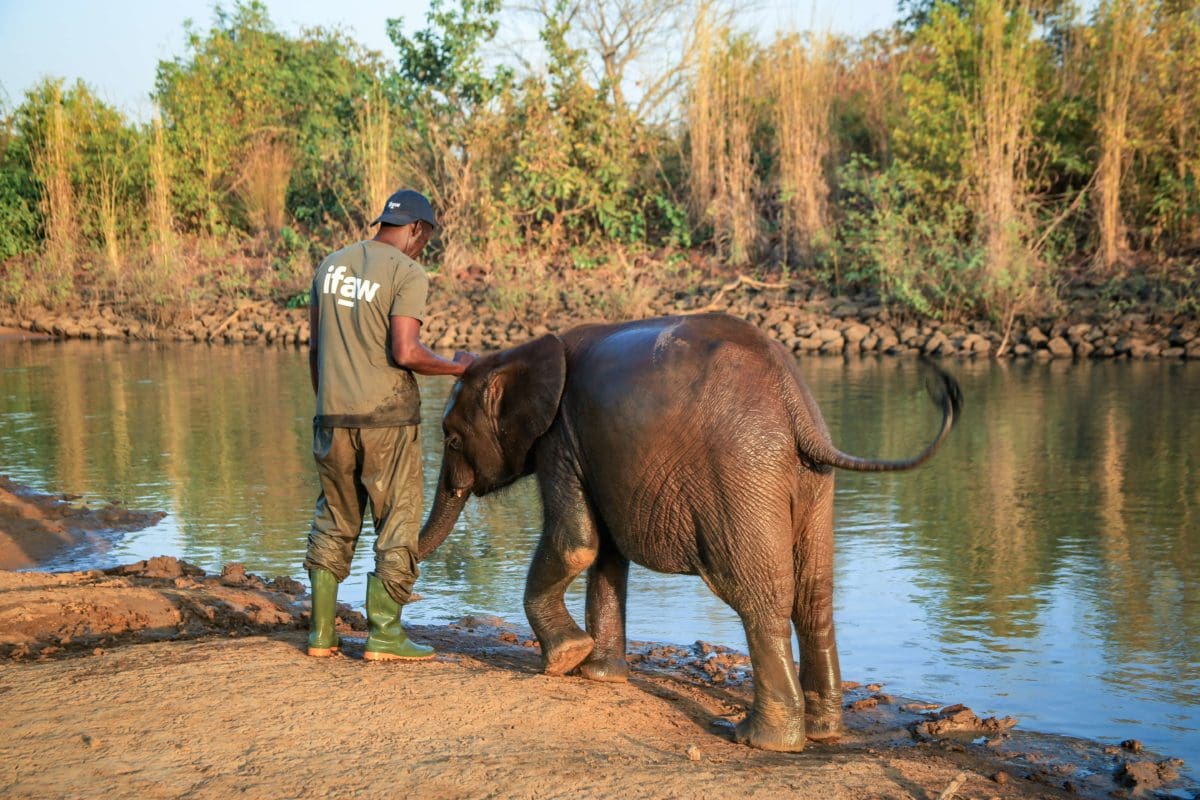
[685,444]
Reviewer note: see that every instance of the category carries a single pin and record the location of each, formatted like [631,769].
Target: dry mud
[157,680]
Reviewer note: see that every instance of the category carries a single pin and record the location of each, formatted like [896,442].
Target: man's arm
[408,351]
[314,328]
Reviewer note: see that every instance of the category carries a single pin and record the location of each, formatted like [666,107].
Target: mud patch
[36,527]
[46,615]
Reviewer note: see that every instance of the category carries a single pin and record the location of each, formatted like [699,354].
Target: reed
[373,151]
[109,213]
[803,86]
[1122,27]
[265,173]
[999,123]
[722,180]
[52,161]
[160,219]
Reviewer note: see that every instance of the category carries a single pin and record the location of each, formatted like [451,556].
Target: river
[1045,564]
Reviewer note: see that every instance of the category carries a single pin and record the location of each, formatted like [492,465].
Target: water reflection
[1046,564]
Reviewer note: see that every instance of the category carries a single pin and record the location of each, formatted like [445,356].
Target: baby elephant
[685,444]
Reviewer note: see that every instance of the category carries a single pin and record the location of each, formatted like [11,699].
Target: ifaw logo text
[348,288]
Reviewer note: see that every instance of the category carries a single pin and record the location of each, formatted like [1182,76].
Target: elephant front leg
[606,587]
[568,546]
[776,719]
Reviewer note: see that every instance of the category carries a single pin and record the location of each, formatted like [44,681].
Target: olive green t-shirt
[358,289]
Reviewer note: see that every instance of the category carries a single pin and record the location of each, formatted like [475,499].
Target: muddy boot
[387,641]
[322,638]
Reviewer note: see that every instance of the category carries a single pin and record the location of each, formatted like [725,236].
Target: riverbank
[36,527]
[157,679]
[480,315]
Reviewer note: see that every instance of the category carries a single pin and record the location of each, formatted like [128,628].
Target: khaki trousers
[357,465]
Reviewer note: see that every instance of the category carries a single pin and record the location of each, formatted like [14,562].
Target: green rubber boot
[322,638]
[387,641]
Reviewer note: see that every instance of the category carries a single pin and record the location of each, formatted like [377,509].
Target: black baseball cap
[404,207]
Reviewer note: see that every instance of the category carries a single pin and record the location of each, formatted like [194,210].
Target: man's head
[407,222]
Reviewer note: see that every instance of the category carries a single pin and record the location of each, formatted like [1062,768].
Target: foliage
[964,161]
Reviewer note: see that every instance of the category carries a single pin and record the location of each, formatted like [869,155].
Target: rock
[1142,776]
[165,567]
[286,585]
[1078,332]
[693,753]
[233,574]
[833,345]
[960,719]
[856,332]
[1059,348]
[937,343]
[829,335]
[1035,337]
[1083,349]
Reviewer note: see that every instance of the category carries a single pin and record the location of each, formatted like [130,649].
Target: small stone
[693,753]
[1059,347]
[1132,745]
[1000,777]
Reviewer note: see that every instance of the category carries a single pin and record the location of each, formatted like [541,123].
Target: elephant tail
[815,446]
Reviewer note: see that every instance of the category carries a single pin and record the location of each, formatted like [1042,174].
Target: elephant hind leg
[812,615]
[757,583]
[776,718]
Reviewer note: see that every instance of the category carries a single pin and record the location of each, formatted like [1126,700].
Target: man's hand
[465,359]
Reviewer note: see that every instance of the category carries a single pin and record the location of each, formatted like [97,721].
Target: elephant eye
[453,442]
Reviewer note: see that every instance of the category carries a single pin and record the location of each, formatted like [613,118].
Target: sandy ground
[155,680]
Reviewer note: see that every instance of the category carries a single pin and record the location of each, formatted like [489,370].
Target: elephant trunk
[447,505]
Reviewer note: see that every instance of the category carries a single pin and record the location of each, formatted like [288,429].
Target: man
[365,314]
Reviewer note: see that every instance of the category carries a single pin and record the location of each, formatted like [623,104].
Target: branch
[742,280]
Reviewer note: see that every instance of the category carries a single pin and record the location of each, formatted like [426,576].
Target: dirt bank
[156,680]
[800,313]
[36,527]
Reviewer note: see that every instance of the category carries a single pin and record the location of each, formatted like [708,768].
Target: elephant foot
[561,656]
[611,669]
[783,737]
[823,729]
[822,718]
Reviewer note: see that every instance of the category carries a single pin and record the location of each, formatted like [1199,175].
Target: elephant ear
[522,397]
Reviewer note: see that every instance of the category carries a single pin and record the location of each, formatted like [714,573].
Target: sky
[115,45]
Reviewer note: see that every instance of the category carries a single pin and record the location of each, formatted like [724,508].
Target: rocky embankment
[806,318]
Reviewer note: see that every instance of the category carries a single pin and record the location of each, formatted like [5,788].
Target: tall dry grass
[1001,136]
[802,91]
[722,182]
[109,213]
[1122,26]
[265,172]
[160,219]
[373,152]
[52,162]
